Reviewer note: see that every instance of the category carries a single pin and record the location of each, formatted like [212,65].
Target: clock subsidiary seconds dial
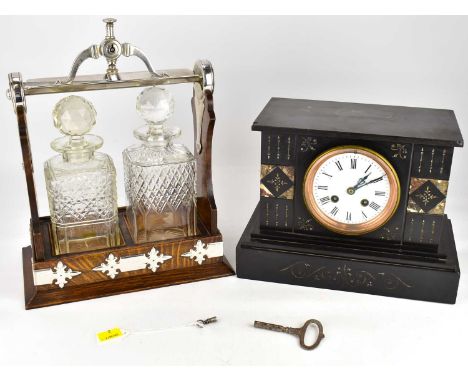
[351,190]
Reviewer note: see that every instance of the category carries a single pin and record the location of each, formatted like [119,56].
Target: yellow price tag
[109,334]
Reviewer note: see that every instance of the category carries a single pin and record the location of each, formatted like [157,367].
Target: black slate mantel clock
[352,197]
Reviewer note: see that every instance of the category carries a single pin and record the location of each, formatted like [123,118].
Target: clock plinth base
[432,278]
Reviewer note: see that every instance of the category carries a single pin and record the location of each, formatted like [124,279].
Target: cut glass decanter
[159,175]
[80,183]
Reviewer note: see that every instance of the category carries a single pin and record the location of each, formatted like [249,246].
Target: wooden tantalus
[50,279]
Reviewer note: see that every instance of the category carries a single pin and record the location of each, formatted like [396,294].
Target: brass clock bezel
[344,228]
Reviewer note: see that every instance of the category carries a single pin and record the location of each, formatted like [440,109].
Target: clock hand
[371,181]
[360,181]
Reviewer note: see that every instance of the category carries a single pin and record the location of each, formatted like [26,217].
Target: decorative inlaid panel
[427,196]
[276,213]
[277,181]
[432,162]
[201,251]
[113,265]
[278,148]
[121,263]
[423,228]
[59,275]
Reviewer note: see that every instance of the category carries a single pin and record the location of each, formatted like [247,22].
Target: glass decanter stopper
[159,175]
[80,183]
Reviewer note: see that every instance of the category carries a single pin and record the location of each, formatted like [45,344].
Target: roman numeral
[367,169]
[334,211]
[353,163]
[379,193]
[324,200]
[348,216]
[363,214]
[324,173]
[322,187]
[375,206]
[338,164]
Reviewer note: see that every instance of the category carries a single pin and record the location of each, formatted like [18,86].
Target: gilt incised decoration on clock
[399,150]
[346,275]
[308,144]
[304,224]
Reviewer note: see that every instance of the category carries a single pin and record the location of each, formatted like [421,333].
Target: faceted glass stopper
[155,105]
[74,116]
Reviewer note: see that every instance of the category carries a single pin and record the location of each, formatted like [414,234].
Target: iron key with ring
[300,332]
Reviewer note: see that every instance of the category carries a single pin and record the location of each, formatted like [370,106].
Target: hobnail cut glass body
[160,188]
[83,202]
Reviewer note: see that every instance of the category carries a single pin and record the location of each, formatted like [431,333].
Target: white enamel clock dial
[351,190]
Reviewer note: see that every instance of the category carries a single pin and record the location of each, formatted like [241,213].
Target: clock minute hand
[372,181]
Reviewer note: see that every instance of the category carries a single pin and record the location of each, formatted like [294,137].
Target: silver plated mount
[111,49]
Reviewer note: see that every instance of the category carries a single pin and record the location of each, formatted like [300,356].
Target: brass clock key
[300,332]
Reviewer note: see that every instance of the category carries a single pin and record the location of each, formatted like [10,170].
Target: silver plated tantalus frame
[202,78]
[58,279]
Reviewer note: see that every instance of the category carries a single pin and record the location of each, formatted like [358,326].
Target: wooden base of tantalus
[405,273]
[83,276]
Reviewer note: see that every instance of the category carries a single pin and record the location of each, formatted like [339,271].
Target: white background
[411,61]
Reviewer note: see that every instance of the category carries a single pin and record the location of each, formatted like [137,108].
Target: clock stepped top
[361,121]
